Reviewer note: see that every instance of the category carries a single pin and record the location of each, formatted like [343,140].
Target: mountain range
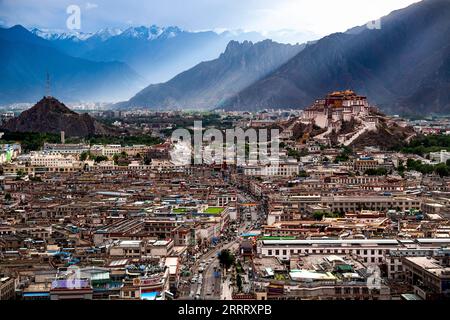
[209,83]
[107,65]
[26,59]
[155,53]
[403,67]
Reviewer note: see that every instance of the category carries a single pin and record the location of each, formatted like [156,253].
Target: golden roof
[343,93]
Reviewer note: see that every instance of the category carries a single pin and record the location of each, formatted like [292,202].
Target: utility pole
[47,85]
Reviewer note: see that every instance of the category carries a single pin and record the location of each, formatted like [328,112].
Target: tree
[226,258]
[318,215]
[344,155]
[294,154]
[100,158]
[302,174]
[441,169]
[84,155]
[20,174]
[239,282]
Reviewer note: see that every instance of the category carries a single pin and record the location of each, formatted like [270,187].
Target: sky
[314,18]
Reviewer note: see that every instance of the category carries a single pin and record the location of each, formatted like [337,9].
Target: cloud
[90,5]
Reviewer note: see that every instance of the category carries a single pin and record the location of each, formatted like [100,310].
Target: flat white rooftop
[357,241]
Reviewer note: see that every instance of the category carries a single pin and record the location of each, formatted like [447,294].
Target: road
[213,288]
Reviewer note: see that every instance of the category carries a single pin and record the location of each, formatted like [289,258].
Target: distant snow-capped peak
[103,34]
[60,35]
[152,32]
[107,33]
[149,33]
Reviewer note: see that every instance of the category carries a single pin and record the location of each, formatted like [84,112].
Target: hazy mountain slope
[156,53]
[394,66]
[209,83]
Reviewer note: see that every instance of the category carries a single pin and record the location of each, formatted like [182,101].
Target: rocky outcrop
[51,116]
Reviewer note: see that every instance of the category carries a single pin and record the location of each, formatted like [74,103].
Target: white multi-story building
[51,160]
[110,150]
[372,251]
[48,159]
[67,149]
[106,150]
[441,156]
[284,168]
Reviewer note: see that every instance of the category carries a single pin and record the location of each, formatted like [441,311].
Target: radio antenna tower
[47,85]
